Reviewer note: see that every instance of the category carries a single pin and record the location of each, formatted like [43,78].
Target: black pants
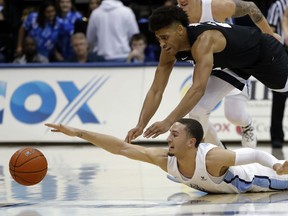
[276,129]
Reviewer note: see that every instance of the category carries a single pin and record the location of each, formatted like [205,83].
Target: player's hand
[277,36]
[133,134]
[281,169]
[156,129]
[59,128]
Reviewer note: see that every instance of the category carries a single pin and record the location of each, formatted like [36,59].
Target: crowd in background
[84,31]
[112,30]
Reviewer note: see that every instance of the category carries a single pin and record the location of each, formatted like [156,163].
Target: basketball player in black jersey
[245,50]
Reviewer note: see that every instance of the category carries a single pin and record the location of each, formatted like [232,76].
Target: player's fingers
[131,136]
[156,134]
[151,128]
[128,138]
[51,125]
[150,132]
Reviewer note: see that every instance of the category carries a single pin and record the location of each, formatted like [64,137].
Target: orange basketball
[28,166]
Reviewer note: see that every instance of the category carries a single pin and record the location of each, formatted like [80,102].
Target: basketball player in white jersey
[235,103]
[202,166]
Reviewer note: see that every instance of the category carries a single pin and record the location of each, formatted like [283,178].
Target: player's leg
[216,90]
[235,108]
[211,136]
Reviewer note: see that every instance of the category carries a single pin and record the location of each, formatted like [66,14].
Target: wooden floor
[84,180]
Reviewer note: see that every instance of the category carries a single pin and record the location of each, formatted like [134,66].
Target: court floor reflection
[85,180]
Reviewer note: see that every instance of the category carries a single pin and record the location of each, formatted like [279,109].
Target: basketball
[28,166]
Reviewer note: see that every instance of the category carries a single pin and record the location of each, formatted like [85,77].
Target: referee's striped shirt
[275,14]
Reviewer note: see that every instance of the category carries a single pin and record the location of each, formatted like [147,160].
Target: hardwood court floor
[84,180]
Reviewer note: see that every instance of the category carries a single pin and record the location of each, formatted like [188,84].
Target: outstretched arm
[154,95]
[156,156]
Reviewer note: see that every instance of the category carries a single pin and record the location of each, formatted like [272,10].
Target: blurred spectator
[143,10]
[81,25]
[2,10]
[139,52]
[2,56]
[30,54]
[93,4]
[45,28]
[69,15]
[3,34]
[170,3]
[110,28]
[80,47]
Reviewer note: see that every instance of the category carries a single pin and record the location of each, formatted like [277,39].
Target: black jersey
[248,52]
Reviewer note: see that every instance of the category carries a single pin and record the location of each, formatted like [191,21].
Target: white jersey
[206,11]
[237,179]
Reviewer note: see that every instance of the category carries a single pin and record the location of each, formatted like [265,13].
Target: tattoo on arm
[248,8]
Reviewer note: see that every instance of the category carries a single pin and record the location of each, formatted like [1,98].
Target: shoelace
[248,134]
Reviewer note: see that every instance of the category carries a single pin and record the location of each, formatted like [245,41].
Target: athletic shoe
[249,138]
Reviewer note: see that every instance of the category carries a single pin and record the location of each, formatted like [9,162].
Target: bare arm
[243,8]
[156,156]
[154,95]
[202,52]
[224,9]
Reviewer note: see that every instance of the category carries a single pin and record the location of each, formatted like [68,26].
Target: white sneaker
[249,138]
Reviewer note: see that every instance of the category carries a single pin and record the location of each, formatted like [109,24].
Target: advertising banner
[104,99]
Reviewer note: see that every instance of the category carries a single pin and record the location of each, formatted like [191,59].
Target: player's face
[183,4]
[169,39]
[177,140]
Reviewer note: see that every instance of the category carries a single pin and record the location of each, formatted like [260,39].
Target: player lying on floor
[202,166]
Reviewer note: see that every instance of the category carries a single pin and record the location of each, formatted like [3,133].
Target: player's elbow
[121,149]
[200,90]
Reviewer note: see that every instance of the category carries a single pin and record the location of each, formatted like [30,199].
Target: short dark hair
[41,20]
[193,128]
[137,37]
[167,15]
